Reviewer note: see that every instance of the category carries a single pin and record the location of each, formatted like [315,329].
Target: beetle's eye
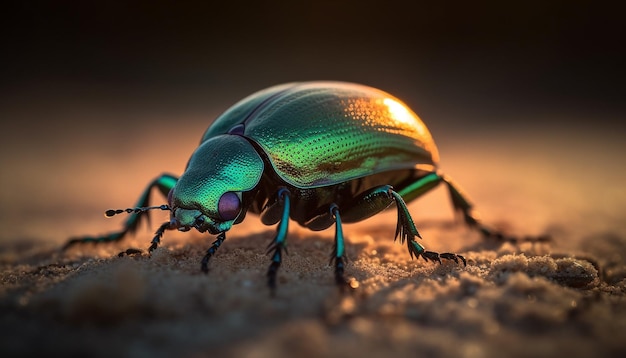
[169,198]
[229,206]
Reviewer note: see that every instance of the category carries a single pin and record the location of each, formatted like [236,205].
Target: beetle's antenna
[112,212]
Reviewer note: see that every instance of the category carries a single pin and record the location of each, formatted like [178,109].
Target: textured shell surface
[318,134]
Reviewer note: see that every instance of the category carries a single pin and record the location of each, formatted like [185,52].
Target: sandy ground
[525,101]
[566,297]
[510,300]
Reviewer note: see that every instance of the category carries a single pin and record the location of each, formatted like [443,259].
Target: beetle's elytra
[319,153]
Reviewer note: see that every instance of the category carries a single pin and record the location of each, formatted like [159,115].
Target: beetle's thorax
[207,196]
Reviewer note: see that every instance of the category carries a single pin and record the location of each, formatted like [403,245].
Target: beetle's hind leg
[460,202]
[163,183]
[463,205]
[279,243]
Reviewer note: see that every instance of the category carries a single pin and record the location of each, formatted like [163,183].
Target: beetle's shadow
[299,242]
[361,241]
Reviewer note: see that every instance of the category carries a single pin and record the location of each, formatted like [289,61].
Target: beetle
[318,153]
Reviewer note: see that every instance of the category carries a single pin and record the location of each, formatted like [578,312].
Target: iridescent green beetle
[320,153]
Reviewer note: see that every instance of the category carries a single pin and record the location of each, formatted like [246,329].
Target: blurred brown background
[525,99]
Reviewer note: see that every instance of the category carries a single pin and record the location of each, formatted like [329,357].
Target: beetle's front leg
[156,240]
[279,243]
[211,251]
[163,183]
[169,225]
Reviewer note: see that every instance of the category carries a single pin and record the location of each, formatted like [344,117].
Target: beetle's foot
[415,249]
[339,271]
[271,277]
[435,256]
[272,271]
[277,247]
[130,252]
[168,225]
[498,235]
[204,264]
[430,256]
[277,256]
[453,257]
[75,241]
[533,239]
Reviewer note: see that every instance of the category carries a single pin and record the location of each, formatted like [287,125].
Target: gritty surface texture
[565,297]
[511,300]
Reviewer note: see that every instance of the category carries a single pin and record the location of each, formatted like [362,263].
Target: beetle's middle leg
[324,220]
[339,248]
[279,243]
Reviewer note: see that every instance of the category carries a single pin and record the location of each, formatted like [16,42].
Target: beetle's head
[208,196]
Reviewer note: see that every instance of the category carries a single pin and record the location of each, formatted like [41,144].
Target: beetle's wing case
[323,133]
[243,110]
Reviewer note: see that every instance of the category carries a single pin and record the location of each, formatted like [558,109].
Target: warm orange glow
[400,112]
